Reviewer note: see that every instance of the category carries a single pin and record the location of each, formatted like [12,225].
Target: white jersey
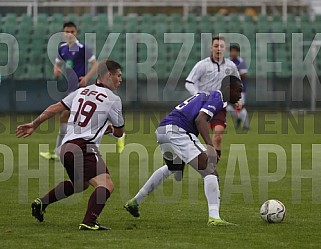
[90,110]
[207,74]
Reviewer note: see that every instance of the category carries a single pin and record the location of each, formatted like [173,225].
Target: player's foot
[246,129]
[121,143]
[48,155]
[132,207]
[93,226]
[212,222]
[238,123]
[36,209]
[54,156]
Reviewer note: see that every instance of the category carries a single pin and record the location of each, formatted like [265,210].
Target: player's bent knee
[218,137]
[202,161]
[202,166]
[109,183]
[102,180]
[110,186]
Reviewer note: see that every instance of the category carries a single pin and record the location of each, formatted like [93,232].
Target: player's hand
[25,130]
[82,81]
[211,155]
[57,71]
[109,129]
[239,105]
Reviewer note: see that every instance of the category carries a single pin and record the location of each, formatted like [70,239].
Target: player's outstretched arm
[26,130]
[57,70]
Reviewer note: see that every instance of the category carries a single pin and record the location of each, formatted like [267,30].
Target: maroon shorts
[219,119]
[82,160]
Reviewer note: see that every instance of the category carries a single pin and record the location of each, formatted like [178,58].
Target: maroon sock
[61,191]
[96,204]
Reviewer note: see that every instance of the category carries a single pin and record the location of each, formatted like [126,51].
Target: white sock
[62,133]
[152,183]
[212,193]
[232,111]
[244,118]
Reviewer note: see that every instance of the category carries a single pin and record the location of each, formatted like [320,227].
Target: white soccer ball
[272,211]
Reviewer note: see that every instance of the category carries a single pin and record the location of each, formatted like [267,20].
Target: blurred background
[26,55]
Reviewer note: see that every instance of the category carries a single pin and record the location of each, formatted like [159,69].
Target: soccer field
[269,162]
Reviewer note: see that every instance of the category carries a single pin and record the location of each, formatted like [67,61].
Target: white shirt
[90,110]
[207,74]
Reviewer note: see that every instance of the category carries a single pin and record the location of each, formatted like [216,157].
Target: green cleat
[121,143]
[36,209]
[94,226]
[54,156]
[132,207]
[48,155]
[212,222]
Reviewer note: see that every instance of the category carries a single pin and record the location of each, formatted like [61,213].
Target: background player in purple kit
[73,58]
[177,137]
[92,108]
[239,113]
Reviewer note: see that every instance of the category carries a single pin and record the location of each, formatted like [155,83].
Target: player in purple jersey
[206,76]
[184,115]
[73,58]
[177,137]
[91,109]
[239,113]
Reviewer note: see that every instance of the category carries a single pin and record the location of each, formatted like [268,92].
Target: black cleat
[93,226]
[36,209]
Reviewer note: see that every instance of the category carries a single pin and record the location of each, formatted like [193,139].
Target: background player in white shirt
[207,76]
[91,109]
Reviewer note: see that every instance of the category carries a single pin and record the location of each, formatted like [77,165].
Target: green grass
[175,217]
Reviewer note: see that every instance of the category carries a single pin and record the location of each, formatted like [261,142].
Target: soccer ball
[272,211]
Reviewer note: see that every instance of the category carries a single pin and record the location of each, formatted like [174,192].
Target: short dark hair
[231,81]
[218,37]
[107,66]
[69,24]
[235,46]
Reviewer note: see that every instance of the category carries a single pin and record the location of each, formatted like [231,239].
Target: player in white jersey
[95,106]
[92,108]
[207,76]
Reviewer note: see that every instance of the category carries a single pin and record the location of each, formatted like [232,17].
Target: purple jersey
[184,114]
[75,60]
